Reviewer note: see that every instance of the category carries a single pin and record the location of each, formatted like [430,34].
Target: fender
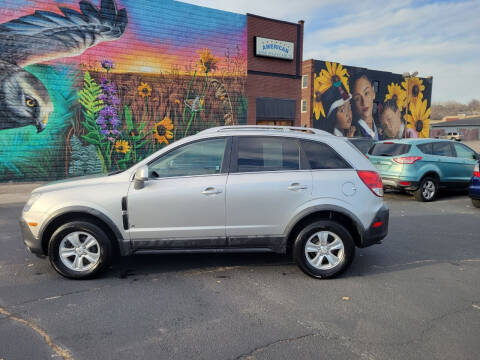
[123,244]
[327,207]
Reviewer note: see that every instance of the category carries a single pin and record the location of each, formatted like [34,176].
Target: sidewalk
[11,193]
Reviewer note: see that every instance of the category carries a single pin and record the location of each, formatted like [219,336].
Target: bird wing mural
[45,36]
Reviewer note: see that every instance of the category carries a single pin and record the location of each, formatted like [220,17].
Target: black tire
[422,193]
[84,227]
[476,203]
[340,231]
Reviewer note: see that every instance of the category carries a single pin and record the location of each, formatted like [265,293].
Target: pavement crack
[65,354]
[251,354]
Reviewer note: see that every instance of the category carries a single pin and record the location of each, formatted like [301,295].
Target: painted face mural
[383,106]
[97,85]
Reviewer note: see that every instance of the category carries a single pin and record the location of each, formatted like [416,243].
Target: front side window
[322,156]
[442,149]
[464,152]
[267,154]
[198,158]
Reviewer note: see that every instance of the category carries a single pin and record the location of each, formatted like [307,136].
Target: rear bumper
[399,184]
[31,242]
[474,189]
[378,229]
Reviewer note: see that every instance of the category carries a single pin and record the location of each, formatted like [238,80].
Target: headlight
[29,204]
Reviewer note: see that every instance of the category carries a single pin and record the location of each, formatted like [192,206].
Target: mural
[349,101]
[88,88]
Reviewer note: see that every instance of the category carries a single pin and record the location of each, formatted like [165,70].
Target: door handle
[211,191]
[297,187]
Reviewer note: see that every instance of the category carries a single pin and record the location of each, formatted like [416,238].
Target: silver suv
[260,188]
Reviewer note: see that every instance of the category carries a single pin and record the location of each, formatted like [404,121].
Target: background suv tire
[324,249]
[476,203]
[427,190]
[79,250]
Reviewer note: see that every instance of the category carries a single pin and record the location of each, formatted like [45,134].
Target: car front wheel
[79,250]
[324,249]
[476,203]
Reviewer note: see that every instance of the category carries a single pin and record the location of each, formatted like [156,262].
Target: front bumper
[378,229]
[31,242]
[399,184]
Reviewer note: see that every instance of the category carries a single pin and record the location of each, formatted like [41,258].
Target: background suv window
[199,158]
[267,154]
[426,148]
[464,152]
[389,149]
[322,156]
[442,149]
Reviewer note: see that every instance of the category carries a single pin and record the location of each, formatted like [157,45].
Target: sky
[436,38]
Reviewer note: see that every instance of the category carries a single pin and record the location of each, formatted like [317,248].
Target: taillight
[372,180]
[476,171]
[407,159]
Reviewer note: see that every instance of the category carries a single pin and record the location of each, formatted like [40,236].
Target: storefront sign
[274,48]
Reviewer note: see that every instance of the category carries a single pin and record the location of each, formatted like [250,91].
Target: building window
[376,86]
[304,106]
[304,81]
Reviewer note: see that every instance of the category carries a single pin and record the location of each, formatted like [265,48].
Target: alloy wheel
[324,250]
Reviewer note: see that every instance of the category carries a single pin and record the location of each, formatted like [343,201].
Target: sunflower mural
[326,78]
[414,89]
[419,118]
[396,93]
[163,131]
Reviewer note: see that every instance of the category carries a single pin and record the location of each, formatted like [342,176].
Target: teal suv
[423,166]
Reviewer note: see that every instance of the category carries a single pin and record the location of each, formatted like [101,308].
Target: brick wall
[172,70]
[307,93]
[269,77]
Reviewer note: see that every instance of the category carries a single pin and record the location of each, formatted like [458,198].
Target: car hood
[75,182]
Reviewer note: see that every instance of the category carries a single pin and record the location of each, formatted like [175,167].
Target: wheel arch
[86,214]
[334,213]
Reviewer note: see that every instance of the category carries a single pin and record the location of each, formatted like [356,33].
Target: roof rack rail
[264,127]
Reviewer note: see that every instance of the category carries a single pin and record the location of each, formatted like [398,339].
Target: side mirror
[141,175]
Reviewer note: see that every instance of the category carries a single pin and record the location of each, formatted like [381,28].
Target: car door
[184,197]
[265,187]
[446,160]
[467,159]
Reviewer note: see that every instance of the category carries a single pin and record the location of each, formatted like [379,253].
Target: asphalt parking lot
[416,296]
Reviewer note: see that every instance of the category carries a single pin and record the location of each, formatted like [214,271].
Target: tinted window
[442,149]
[322,156]
[389,149]
[267,154]
[426,148]
[363,144]
[464,152]
[199,158]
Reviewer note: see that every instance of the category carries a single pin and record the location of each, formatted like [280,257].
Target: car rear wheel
[476,203]
[427,190]
[79,250]
[324,249]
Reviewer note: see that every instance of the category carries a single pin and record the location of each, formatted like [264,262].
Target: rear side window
[322,156]
[389,149]
[464,152]
[442,149]
[267,154]
[426,148]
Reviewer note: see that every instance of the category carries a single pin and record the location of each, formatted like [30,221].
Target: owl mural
[45,36]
